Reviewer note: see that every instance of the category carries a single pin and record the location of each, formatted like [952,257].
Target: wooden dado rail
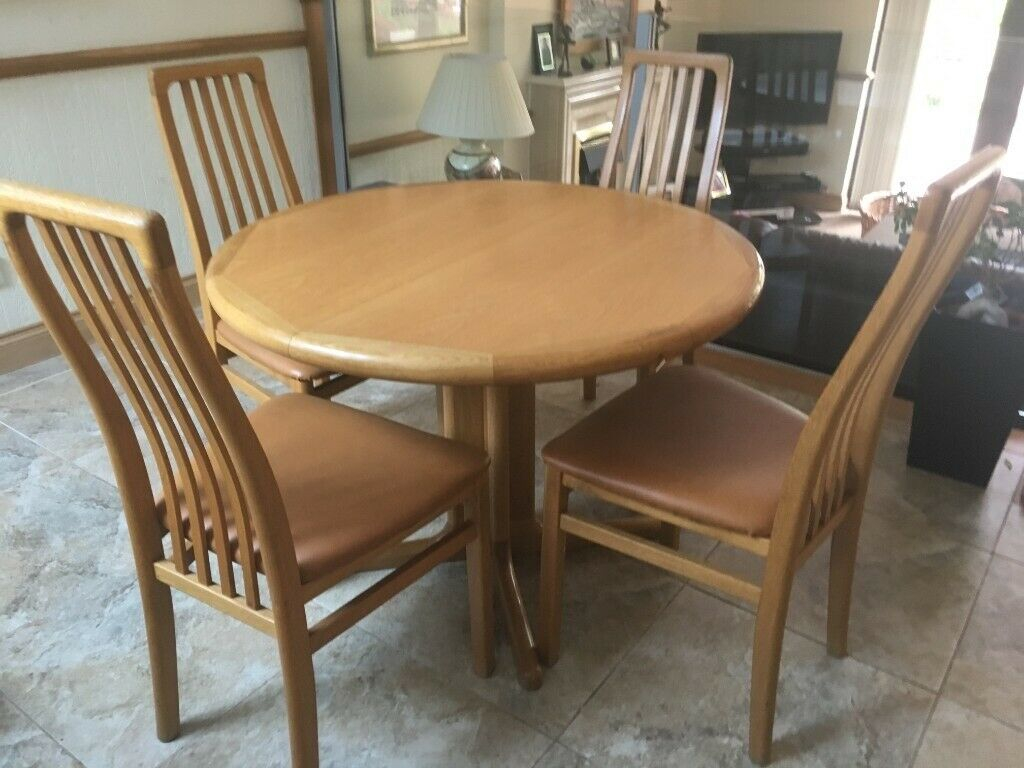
[312,38]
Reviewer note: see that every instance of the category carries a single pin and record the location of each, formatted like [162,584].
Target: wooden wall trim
[316,42]
[151,53]
[33,344]
[383,144]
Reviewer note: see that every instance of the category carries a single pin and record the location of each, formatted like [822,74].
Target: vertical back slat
[213,124]
[663,76]
[637,139]
[54,244]
[205,160]
[275,138]
[241,160]
[615,141]
[207,453]
[671,97]
[152,370]
[692,109]
[228,472]
[669,144]
[242,105]
[123,357]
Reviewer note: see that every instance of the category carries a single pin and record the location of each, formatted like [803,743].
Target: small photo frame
[543,48]
[613,50]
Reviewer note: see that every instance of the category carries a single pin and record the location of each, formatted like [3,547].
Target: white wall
[95,133]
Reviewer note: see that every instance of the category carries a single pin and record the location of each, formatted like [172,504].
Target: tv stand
[742,146]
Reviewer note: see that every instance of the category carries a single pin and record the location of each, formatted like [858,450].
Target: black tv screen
[778,78]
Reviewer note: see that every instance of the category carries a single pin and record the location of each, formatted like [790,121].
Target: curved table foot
[524,648]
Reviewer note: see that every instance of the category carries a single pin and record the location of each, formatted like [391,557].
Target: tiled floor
[653,672]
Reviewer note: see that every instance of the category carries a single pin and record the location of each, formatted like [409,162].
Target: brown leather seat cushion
[350,480]
[690,441]
[279,364]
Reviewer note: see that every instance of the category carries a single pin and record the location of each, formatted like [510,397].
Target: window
[949,84]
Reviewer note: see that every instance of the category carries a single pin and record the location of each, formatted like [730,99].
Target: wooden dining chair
[234,138]
[655,130]
[302,490]
[694,449]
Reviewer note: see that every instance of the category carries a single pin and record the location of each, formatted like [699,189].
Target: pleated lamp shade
[475,96]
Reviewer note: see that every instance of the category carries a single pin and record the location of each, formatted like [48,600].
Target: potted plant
[970,379]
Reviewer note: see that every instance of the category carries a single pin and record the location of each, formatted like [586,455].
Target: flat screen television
[778,78]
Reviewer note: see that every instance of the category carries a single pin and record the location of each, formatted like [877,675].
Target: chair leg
[590,388]
[842,559]
[302,387]
[764,682]
[552,569]
[300,693]
[480,572]
[158,610]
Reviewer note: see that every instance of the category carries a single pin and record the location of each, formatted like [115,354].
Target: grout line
[66,463]
[32,383]
[967,623]
[952,658]
[654,620]
[614,667]
[40,728]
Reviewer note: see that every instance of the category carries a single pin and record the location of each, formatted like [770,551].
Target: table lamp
[475,97]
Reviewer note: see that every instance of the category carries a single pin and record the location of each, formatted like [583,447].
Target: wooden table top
[484,282]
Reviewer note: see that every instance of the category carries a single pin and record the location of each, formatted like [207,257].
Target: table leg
[522,458]
[481,417]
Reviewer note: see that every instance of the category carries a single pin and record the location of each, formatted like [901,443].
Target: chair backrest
[206,452]
[650,156]
[832,462]
[218,99]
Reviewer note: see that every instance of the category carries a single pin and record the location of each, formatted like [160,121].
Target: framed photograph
[613,48]
[406,25]
[543,48]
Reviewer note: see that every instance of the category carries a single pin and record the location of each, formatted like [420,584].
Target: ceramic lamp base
[472,160]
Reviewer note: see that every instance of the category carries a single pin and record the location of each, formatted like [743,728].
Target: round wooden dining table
[486,288]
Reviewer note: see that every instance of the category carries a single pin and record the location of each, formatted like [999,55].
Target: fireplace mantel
[563,109]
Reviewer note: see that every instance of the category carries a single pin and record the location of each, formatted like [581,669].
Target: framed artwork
[406,25]
[599,18]
[543,48]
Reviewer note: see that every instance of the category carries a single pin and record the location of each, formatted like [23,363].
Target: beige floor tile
[681,697]
[21,459]
[562,757]
[23,377]
[959,511]
[71,630]
[957,737]
[610,600]
[911,596]
[375,707]
[1011,540]
[987,674]
[24,745]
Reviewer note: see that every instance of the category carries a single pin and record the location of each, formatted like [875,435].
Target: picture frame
[613,50]
[543,48]
[408,25]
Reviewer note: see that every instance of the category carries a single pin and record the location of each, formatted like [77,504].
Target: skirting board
[34,344]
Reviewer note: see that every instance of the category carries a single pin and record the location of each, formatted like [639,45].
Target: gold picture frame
[399,25]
